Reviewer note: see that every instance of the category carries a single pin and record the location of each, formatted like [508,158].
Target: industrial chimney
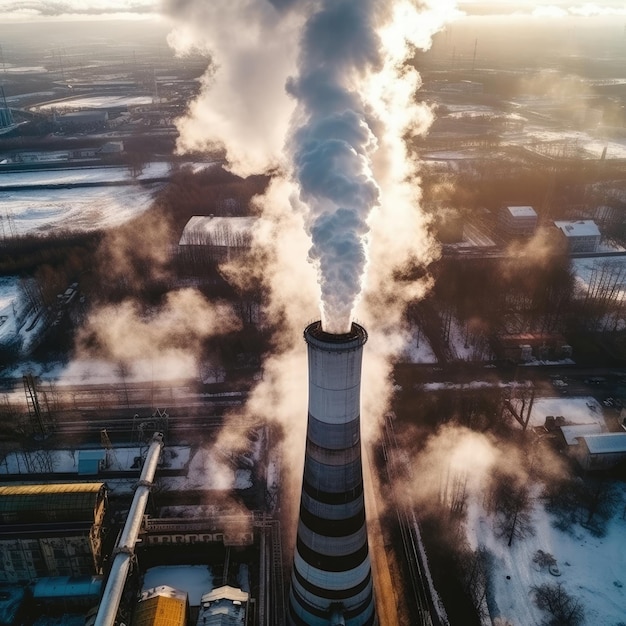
[331,580]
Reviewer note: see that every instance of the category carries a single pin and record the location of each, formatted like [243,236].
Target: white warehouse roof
[573,431]
[218,231]
[580,228]
[522,211]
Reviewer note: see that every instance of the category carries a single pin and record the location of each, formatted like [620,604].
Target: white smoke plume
[337,108]
[243,106]
[321,90]
[169,336]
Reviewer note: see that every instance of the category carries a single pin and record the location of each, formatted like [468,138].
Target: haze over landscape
[185,186]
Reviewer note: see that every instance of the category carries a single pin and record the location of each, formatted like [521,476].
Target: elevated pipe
[125,549]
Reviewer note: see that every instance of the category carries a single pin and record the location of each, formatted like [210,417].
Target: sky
[26,10]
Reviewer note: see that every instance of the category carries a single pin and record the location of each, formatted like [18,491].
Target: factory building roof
[87,115]
[579,228]
[218,231]
[67,587]
[61,501]
[521,211]
[572,432]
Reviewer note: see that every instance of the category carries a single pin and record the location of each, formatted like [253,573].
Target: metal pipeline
[125,548]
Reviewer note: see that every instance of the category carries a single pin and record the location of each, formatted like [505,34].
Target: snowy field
[591,569]
[592,145]
[418,351]
[80,175]
[75,209]
[36,210]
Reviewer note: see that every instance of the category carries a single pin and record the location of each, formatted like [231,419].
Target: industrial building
[518,220]
[162,606]
[65,594]
[51,530]
[210,239]
[582,236]
[331,580]
[224,606]
[88,119]
[601,451]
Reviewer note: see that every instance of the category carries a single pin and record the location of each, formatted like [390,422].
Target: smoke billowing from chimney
[337,70]
[332,145]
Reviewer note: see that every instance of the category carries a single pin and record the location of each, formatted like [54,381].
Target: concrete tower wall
[331,571]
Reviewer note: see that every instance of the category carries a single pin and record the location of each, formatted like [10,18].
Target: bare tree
[598,499]
[511,503]
[562,609]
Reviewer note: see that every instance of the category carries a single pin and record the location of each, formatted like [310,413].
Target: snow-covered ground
[591,569]
[77,175]
[36,208]
[418,351]
[592,145]
[585,410]
[74,209]
[66,461]
[612,269]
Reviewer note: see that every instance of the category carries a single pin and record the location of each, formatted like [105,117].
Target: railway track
[418,581]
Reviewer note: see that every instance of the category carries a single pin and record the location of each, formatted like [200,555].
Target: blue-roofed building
[603,451]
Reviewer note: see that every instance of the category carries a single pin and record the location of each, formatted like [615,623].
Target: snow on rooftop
[522,211]
[570,433]
[218,230]
[96,102]
[606,443]
[196,580]
[74,209]
[578,228]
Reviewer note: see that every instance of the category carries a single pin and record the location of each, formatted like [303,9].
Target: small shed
[602,451]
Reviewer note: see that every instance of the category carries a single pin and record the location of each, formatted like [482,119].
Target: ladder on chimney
[278,588]
[40,423]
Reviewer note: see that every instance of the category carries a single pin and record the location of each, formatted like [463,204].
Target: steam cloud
[320,95]
[322,92]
